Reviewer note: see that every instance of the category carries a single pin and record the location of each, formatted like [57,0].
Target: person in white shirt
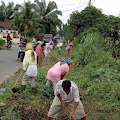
[59,46]
[67,94]
[30,68]
[68,48]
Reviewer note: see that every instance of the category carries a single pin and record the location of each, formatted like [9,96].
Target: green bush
[29,39]
[100,70]
[2,42]
[100,116]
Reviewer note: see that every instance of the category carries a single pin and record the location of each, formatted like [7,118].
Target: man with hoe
[67,95]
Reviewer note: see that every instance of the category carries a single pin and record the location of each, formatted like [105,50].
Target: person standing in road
[22,43]
[67,95]
[8,38]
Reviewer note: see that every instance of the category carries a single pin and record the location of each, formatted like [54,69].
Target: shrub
[2,42]
[29,39]
[100,70]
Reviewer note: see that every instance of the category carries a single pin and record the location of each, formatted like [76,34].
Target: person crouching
[30,68]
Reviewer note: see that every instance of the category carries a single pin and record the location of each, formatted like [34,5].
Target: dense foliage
[2,42]
[36,18]
[84,19]
[98,72]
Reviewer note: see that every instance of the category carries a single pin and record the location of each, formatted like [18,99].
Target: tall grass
[98,72]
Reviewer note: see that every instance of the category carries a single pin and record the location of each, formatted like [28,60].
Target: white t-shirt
[68,47]
[59,45]
[48,45]
[73,95]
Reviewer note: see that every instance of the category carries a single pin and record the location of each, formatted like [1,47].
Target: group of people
[66,92]
[33,56]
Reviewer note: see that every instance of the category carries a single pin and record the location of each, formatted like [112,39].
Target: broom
[14,89]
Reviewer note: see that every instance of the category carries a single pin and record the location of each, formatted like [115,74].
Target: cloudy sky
[109,7]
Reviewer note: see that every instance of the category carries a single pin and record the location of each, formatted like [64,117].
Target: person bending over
[67,94]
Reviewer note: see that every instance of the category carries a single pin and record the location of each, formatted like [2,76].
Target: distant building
[58,37]
[5,25]
[48,37]
[5,28]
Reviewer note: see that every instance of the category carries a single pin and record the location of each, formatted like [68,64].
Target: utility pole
[89,4]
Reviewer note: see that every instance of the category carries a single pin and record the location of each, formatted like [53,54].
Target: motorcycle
[22,52]
[9,44]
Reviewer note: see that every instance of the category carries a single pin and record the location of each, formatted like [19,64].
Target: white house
[5,28]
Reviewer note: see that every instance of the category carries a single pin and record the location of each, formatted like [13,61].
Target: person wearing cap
[39,53]
[30,68]
[67,95]
[68,48]
[58,71]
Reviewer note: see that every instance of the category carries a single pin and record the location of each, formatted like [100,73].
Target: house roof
[5,24]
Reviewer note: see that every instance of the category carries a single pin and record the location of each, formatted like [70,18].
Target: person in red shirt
[8,38]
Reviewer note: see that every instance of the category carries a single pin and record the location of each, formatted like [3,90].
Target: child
[47,52]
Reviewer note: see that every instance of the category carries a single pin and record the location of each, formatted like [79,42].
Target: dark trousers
[19,54]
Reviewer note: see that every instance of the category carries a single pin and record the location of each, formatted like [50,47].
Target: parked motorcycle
[22,52]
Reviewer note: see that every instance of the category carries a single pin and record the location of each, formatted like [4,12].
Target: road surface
[8,63]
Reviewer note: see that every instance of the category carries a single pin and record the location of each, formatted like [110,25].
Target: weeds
[96,75]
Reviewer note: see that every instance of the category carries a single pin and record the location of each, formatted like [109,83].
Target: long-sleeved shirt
[73,95]
[27,60]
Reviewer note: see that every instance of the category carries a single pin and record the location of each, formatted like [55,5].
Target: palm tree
[36,19]
[23,17]
[48,14]
[6,12]
[9,11]
[2,11]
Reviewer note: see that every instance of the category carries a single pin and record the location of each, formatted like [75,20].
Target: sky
[108,7]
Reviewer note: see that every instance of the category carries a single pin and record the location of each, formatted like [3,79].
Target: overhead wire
[73,8]
[82,5]
[68,4]
[79,7]
[70,9]
[79,4]
[93,1]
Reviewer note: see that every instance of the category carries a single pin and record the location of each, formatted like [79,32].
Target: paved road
[8,63]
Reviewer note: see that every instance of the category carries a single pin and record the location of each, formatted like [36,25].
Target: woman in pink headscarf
[39,54]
